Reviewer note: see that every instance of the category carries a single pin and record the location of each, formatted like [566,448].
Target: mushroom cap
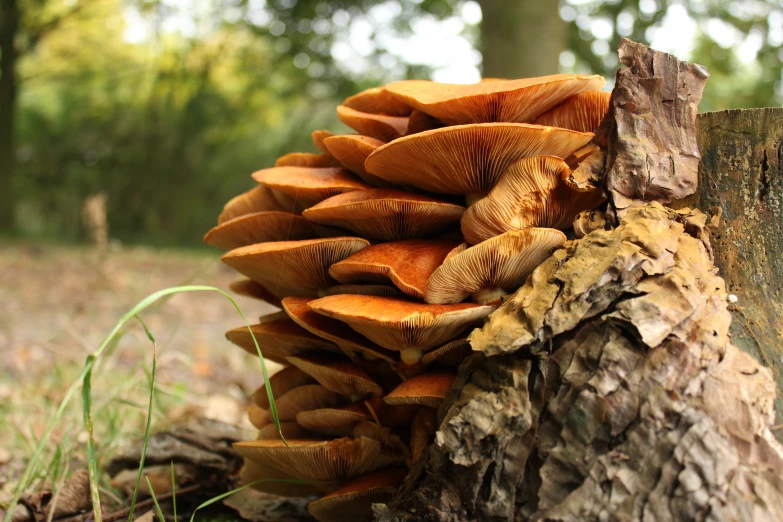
[467,159]
[353,500]
[334,421]
[502,262]
[378,126]
[388,438]
[291,430]
[421,121]
[308,185]
[408,264]
[423,428]
[342,377]
[377,100]
[385,214]
[278,339]
[399,324]
[319,136]
[304,398]
[397,417]
[427,389]
[530,193]
[281,382]
[342,335]
[318,460]
[452,353]
[380,290]
[298,268]
[307,159]
[249,288]
[257,199]
[273,482]
[351,150]
[257,416]
[582,112]
[259,227]
[493,100]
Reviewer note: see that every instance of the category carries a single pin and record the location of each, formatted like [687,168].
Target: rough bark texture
[607,388]
[741,174]
[523,38]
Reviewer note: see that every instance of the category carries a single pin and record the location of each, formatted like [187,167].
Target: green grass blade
[173,491]
[92,462]
[155,500]
[237,490]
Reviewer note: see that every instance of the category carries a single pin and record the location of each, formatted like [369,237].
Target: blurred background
[167,106]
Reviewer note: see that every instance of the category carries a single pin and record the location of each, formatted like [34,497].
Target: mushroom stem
[411,356]
[489,296]
[473,197]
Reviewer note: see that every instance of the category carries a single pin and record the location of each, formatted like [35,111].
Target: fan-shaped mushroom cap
[342,377]
[342,335]
[379,290]
[423,428]
[307,185]
[334,421]
[257,199]
[257,416]
[351,150]
[427,389]
[249,288]
[408,264]
[291,430]
[353,500]
[493,268]
[467,159]
[278,339]
[274,482]
[281,382]
[304,398]
[582,112]
[319,137]
[530,193]
[493,100]
[377,100]
[394,417]
[452,353]
[298,268]
[421,121]
[307,159]
[385,214]
[388,439]
[338,459]
[401,325]
[378,126]
[259,227]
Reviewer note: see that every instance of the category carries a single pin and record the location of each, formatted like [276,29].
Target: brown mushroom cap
[342,377]
[259,227]
[408,264]
[352,502]
[317,460]
[351,150]
[380,290]
[307,159]
[421,121]
[307,185]
[452,353]
[304,398]
[319,137]
[342,335]
[273,481]
[281,382]
[493,100]
[427,389]
[378,126]
[493,268]
[582,112]
[467,159]
[249,288]
[385,214]
[257,199]
[298,268]
[334,421]
[423,428]
[291,430]
[401,325]
[279,339]
[378,100]
[530,193]
[388,438]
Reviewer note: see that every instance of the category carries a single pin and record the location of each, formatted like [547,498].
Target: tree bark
[9,26]
[741,174]
[521,38]
[607,388]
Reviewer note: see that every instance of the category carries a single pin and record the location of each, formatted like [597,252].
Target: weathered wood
[741,173]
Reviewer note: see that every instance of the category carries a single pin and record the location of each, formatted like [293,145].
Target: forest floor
[58,303]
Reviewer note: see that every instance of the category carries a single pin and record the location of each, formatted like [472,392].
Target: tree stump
[607,388]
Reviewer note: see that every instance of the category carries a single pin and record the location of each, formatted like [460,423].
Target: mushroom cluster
[383,251]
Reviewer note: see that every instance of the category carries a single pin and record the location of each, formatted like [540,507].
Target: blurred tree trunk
[521,38]
[9,25]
